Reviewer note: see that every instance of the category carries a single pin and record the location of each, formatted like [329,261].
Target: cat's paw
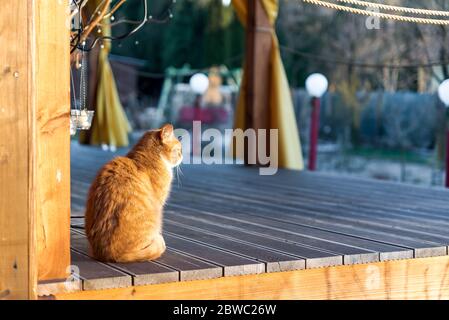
[158,248]
[161,243]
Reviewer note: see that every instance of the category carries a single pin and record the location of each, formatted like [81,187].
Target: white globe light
[316,85]
[226,3]
[199,83]
[443,92]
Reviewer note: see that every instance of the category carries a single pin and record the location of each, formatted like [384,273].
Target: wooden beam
[52,88]
[402,279]
[34,145]
[17,143]
[259,43]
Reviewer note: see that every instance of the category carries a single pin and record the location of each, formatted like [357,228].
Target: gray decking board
[250,206]
[351,253]
[143,273]
[383,251]
[232,264]
[420,247]
[284,229]
[314,258]
[294,179]
[98,276]
[298,188]
[434,232]
[288,185]
[275,261]
[171,267]
[386,245]
[227,220]
[384,237]
[387,200]
[313,198]
[302,246]
[416,225]
[190,268]
[200,198]
[354,183]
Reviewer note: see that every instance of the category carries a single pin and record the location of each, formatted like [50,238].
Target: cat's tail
[151,252]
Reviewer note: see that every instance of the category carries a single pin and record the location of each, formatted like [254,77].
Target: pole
[447,159]
[196,148]
[259,43]
[314,129]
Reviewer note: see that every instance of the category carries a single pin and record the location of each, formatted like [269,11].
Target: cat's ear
[166,132]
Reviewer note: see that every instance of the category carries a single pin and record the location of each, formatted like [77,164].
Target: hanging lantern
[81,119]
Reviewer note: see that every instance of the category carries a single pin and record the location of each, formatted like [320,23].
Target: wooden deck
[224,221]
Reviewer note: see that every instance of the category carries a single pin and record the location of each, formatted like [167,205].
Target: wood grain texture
[48,288]
[53,137]
[424,278]
[17,143]
[34,145]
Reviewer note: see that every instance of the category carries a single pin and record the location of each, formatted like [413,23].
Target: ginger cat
[125,202]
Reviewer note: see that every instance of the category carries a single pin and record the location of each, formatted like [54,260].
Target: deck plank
[142,273]
[275,261]
[190,268]
[151,273]
[353,250]
[274,251]
[332,222]
[98,276]
[232,264]
[227,220]
[313,199]
[328,196]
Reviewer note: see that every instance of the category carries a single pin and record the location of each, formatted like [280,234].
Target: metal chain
[72,83]
[83,82]
[377,14]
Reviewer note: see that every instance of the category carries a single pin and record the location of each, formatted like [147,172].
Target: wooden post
[17,263]
[52,62]
[259,44]
[34,145]
[314,131]
[447,159]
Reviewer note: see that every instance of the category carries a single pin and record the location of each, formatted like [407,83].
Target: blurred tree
[201,33]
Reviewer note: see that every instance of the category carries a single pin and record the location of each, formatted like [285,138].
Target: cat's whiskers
[178,170]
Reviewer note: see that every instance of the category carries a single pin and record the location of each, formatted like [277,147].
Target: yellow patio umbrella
[280,104]
[110,124]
